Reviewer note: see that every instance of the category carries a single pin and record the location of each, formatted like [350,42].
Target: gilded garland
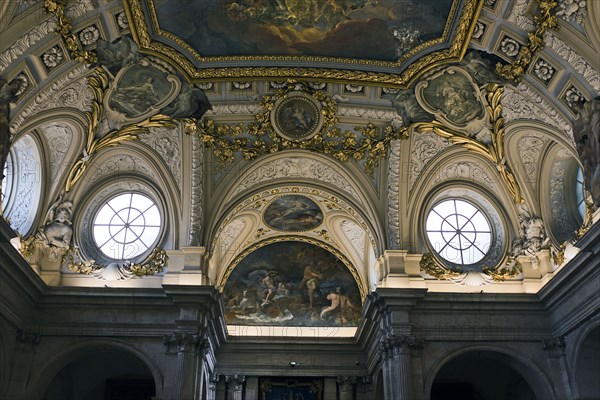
[546,20]
[430,266]
[65,30]
[153,265]
[267,134]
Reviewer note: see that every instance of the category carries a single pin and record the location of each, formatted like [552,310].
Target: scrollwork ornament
[493,151]
[99,84]
[430,266]
[368,143]
[546,20]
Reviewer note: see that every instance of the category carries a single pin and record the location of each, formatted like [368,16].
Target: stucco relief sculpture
[57,230]
[532,235]
[587,138]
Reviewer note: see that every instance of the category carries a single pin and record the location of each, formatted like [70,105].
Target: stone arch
[44,375]
[533,375]
[586,345]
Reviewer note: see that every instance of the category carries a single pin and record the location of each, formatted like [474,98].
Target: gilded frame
[361,71]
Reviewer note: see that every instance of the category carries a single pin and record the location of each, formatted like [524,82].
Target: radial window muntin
[126,226]
[580,193]
[458,231]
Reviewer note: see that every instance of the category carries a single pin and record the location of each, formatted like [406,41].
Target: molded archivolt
[300,168]
[526,144]
[558,189]
[27,184]
[129,167]
[343,228]
[460,173]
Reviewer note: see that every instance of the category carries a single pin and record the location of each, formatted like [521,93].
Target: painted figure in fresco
[270,283]
[311,279]
[191,102]
[587,138]
[408,108]
[340,305]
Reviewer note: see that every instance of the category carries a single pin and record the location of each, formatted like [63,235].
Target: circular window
[459,232]
[126,226]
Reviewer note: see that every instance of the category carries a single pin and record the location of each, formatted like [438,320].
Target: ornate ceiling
[216,112]
[386,41]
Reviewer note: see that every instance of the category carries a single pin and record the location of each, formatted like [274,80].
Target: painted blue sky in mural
[381,30]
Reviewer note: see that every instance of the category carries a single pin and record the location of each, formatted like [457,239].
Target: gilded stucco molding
[99,84]
[546,20]
[65,30]
[154,264]
[430,266]
[467,20]
[493,151]
[366,143]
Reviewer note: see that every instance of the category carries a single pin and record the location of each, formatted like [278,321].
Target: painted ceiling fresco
[379,30]
[330,38]
[293,213]
[291,283]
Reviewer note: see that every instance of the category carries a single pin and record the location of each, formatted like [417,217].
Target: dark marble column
[346,386]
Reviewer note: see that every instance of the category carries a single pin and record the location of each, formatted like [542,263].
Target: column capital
[236,380]
[554,346]
[396,344]
[186,342]
[346,380]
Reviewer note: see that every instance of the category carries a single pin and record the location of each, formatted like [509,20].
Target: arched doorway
[481,375]
[587,367]
[103,375]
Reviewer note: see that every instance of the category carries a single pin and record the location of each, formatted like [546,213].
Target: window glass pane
[126,226]
[458,232]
